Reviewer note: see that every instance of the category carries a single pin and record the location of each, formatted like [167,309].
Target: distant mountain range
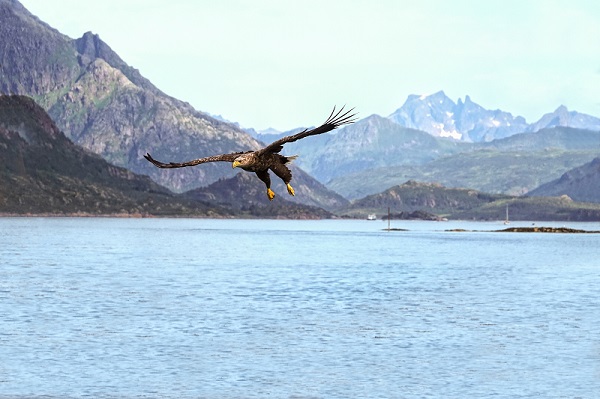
[438,115]
[433,139]
[370,143]
[514,165]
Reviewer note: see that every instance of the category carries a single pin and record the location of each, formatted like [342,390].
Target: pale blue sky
[283,64]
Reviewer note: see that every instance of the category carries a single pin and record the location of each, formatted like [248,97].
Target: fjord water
[192,308]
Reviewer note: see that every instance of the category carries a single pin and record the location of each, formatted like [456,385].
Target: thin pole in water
[389,218]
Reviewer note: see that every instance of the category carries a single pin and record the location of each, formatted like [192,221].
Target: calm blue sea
[193,308]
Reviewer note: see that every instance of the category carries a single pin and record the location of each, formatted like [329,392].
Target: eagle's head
[243,161]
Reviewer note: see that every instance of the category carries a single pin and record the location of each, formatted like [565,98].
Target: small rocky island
[533,229]
[542,229]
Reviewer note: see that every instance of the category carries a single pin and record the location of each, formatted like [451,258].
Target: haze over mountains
[109,108]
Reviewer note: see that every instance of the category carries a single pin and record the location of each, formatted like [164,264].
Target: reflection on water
[328,309]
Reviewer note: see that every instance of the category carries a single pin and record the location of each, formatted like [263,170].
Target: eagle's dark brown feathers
[268,158]
[214,158]
[334,120]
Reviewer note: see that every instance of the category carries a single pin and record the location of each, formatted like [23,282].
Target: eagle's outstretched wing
[335,120]
[215,158]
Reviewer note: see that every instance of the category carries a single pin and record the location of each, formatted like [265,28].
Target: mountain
[580,184]
[513,165]
[108,107]
[439,116]
[43,172]
[563,117]
[379,153]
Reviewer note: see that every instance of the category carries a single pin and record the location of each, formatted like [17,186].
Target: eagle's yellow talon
[270,194]
[290,190]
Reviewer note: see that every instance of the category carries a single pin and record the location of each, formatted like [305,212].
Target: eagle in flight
[268,158]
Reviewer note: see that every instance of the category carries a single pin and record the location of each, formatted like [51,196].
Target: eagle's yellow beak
[235,164]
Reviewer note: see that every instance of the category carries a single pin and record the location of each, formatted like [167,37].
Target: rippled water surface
[182,308]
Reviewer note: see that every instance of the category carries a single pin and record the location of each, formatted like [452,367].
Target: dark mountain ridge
[43,172]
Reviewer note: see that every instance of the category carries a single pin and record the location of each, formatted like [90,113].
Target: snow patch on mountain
[465,120]
[462,120]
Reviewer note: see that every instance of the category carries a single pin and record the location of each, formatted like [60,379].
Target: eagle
[268,158]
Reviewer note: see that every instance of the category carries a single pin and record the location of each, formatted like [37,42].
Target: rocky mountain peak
[432,114]
[90,47]
[563,117]
[465,120]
